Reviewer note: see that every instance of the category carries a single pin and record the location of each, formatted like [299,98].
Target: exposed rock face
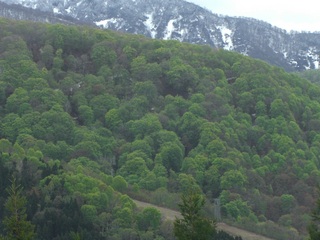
[19,12]
[183,21]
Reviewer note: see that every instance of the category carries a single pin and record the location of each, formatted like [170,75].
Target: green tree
[181,78]
[101,104]
[193,225]
[90,149]
[16,225]
[171,156]
[237,209]
[15,100]
[233,179]
[149,218]
[89,213]
[188,183]
[35,84]
[288,202]
[103,54]
[47,55]
[147,89]
[147,125]
[57,125]
[113,119]
[86,115]
[119,183]
[314,227]
[189,129]
[280,108]
[57,60]
[5,146]
[124,217]
[134,170]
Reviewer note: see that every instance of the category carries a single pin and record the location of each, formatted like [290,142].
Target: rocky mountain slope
[187,22]
[19,12]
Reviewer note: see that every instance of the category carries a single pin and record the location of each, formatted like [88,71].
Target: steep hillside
[186,22]
[88,113]
[311,75]
[172,215]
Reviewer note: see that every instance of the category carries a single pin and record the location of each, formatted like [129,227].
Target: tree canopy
[90,116]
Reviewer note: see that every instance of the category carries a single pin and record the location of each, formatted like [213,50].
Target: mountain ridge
[187,22]
[19,12]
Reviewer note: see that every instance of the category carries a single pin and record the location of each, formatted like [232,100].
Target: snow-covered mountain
[187,22]
[20,12]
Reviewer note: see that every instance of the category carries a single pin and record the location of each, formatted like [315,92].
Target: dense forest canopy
[91,116]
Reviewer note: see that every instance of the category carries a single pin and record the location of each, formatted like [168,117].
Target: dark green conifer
[15,223]
[193,225]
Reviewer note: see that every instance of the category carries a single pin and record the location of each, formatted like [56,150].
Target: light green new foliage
[149,218]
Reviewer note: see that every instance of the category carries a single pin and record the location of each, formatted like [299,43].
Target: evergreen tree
[314,227]
[193,225]
[16,225]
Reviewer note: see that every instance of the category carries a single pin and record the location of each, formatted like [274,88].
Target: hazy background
[289,15]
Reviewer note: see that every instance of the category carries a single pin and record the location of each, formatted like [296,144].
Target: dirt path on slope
[169,214]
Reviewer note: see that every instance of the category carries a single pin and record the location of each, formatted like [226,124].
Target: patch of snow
[308,67]
[180,31]
[170,28]
[226,37]
[183,32]
[245,53]
[68,10]
[150,26]
[212,34]
[245,50]
[293,62]
[30,3]
[194,20]
[314,57]
[56,10]
[105,23]
[285,54]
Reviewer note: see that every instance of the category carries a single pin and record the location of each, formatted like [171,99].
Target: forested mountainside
[88,116]
[311,75]
[187,22]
